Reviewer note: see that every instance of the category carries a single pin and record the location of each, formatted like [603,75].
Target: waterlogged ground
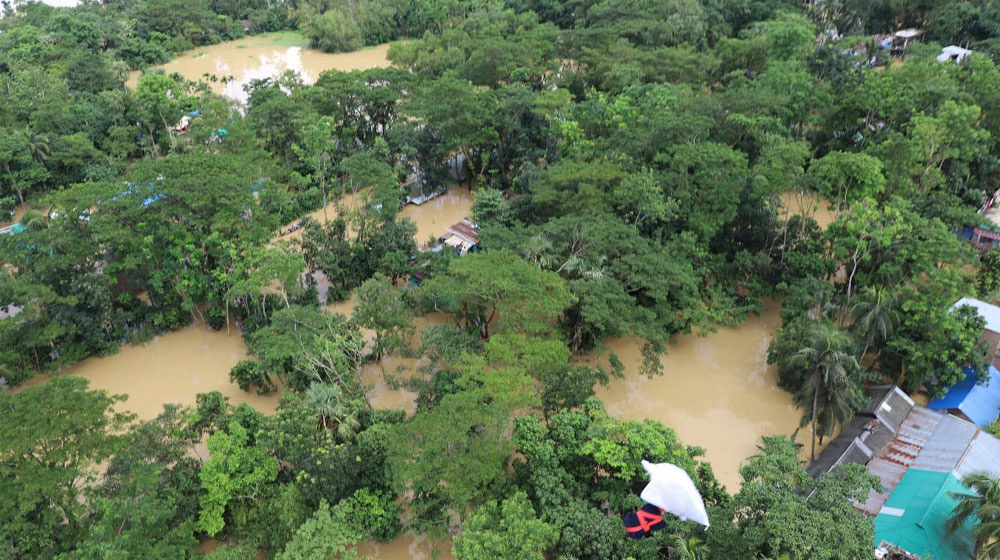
[716,391]
[171,368]
[264,56]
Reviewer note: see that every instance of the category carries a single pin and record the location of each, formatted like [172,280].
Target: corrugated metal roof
[983,455]
[466,230]
[947,445]
[869,432]
[894,460]
[894,407]
[844,449]
[979,403]
[989,312]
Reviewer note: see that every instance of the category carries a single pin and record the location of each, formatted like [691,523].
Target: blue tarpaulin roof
[980,403]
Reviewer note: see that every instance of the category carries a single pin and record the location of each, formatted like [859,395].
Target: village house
[920,456]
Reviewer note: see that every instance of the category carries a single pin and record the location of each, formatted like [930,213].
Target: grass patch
[277,39]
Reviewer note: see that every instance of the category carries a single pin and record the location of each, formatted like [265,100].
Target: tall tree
[875,316]
[317,148]
[508,530]
[53,437]
[236,470]
[830,393]
[383,309]
[777,513]
[982,507]
[498,286]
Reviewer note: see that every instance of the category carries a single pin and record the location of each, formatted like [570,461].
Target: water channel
[268,55]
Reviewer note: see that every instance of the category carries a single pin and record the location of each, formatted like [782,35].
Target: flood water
[807,204]
[434,216]
[376,377]
[408,547]
[716,392]
[264,56]
[172,368]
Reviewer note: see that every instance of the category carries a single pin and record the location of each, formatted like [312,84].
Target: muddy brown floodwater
[264,56]
[408,547]
[716,392]
[434,216]
[807,204]
[172,368]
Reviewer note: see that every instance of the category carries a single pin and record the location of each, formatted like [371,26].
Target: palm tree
[538,251]
[874,317]
[983,506]
[691,548]
[38,145]
[336,411]
[33,220]
[829,394]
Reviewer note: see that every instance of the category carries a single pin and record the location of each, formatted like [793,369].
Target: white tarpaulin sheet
[672,490]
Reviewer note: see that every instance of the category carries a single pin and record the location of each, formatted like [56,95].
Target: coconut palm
[38,145]
[830,393]
[120,69]
[33,220]
[875,316]
[982,506]
[538,251]
[691,548]
[336,411]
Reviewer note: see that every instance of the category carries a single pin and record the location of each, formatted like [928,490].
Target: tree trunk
[322,187]
[812,452]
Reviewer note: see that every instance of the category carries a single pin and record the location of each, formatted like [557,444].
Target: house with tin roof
[920,456]
[976,402]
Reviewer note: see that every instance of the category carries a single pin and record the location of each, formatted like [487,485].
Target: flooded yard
[172,368]
[235,64]
[716,392]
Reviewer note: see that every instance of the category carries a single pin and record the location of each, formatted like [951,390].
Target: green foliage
[626,158]
[509,530]
[450,456]
[382,308]
[988,276]
[979,506]
[847,177]
[308,344]
[250,373]
[776,513]
[234,470]
[53,437]
[329,533]
[498,285]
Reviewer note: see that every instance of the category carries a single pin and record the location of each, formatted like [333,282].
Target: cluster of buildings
[920,453]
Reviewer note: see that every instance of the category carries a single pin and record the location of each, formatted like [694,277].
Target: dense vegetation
[629,159]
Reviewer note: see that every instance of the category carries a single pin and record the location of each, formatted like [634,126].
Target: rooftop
[989,312]
[870,431]
[914,517]
[979,403]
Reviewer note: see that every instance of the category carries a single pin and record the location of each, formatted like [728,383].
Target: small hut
[902,39]
[462,237]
